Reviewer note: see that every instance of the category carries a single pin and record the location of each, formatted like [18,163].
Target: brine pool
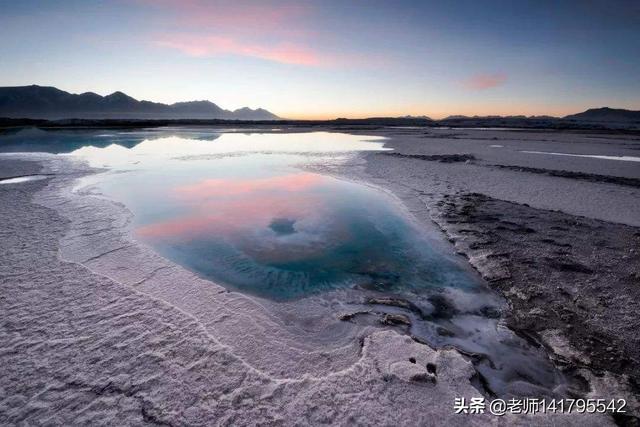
[244,210]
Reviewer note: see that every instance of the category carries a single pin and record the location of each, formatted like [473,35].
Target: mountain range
[594,118]
[606,114]
[603,114]
[45,102]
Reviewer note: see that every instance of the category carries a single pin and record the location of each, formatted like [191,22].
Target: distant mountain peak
[606,114]
[52,103]
[202,103]
[118,94]
[422,117]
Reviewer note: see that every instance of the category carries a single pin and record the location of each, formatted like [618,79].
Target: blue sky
[323,59]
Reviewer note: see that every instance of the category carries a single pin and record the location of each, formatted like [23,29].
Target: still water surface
[240,210]
[247,211]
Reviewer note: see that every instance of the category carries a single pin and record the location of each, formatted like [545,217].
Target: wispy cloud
[213,45]
[485,81]
[229,206]
[272,31]
[224,187]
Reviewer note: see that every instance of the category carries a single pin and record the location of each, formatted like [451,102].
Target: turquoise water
[241,210]
[250,212]
[289,234]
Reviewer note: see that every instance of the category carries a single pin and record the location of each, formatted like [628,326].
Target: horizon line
[346,115]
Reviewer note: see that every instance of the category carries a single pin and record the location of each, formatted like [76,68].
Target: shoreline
[549,124]
[540,260]
[158,278]
[135,350]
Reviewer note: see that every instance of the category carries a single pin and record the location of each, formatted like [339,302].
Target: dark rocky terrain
[564,276]
[550,233]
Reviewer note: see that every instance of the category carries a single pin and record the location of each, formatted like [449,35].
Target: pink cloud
[237,219]
[228,217]
[485,81]
[226,206]
[235,210]
[229,187]
[209,46]
[280,31]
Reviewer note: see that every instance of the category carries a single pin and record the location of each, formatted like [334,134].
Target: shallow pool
[242,210]
[250,211]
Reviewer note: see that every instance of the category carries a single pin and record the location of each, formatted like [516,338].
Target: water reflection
[164,148]
[226,206]
[286,236]
[238,209]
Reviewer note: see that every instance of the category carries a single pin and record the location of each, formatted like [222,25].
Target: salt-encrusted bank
[98,328]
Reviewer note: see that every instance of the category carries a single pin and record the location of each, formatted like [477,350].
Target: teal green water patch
[247,212]
[287,236]
[238,208]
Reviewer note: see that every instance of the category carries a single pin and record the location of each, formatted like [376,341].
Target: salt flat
[558,236]
[100,329]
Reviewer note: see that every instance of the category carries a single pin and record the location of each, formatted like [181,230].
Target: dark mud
[442,158]
[563,275]
[631,182]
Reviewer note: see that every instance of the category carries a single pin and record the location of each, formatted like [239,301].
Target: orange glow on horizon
[439,114]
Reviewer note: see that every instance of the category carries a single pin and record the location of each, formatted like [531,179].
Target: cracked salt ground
[276,359]
[258,224]
[79,347]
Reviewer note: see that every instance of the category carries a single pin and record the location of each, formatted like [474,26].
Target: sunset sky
[326,59]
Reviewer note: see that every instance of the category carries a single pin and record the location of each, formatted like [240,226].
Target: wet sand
[99,329]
